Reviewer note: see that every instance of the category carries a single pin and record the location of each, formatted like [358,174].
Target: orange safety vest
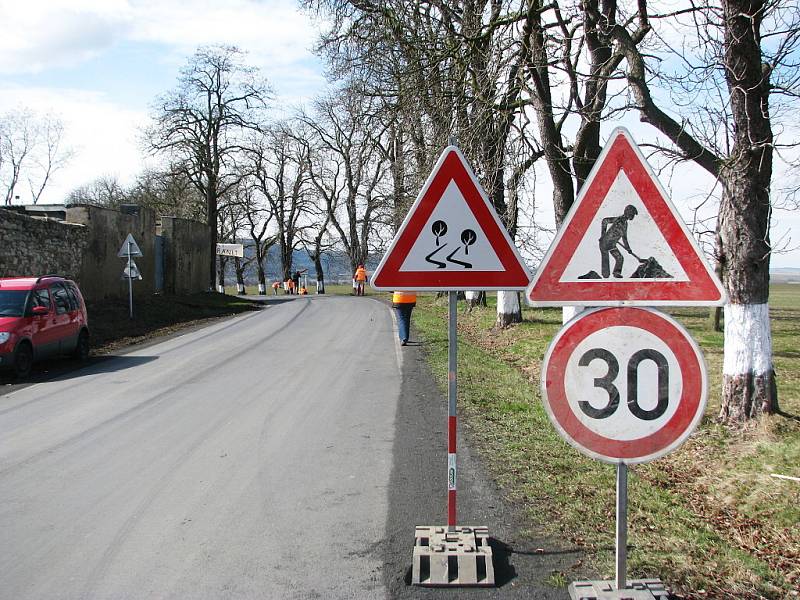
[404,298]
[361,274]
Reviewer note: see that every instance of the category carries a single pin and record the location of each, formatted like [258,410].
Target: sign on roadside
[131,271]
[230,250]
[129,248]
[624,385]
[624,243]
[452,238]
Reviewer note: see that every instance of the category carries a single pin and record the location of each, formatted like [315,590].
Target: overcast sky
[99,64]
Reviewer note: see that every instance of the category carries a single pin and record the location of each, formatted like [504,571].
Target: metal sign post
[451,240]
[128,250]
[130,283]
[452,395]
[622,526]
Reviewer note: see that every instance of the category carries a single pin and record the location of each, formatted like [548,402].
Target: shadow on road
[65,369]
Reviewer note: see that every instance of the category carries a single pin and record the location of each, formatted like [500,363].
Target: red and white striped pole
[451,413]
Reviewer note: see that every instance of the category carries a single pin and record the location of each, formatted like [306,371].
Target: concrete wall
[84,248]
[187,255]
[101,268]
[32,246]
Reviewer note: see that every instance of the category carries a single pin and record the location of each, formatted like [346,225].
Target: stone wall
[84,248]
[101,268]
[187,254]
[35,246]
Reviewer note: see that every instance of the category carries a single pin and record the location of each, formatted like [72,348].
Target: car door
[43,327]
[65,329]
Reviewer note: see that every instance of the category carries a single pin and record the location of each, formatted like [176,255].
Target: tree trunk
[320,275]
[240,289]
[262,277]
[748,388]
[570,312]
[221,274]
[508,309]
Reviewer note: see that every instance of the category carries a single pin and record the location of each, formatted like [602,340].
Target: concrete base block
[638,589]
[459,558]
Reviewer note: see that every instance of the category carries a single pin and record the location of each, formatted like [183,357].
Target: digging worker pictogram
[614,231]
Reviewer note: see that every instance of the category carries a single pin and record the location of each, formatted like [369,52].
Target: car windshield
[12,303]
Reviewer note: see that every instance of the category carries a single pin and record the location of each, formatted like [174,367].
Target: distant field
[708,519]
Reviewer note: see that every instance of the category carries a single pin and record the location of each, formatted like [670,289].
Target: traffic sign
[129,248]
[131,271]
[624,243]
[230,250]
[624,385]
[451,238]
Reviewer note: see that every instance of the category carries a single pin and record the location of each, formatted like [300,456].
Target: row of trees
[313,181]
[524,87]
[527,82]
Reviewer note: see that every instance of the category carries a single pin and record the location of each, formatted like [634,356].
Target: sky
[99,65]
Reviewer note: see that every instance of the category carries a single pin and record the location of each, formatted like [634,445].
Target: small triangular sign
[624,243]
[132,271]
[451,238]
[134,247]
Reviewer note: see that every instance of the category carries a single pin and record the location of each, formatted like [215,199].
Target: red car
[41,317]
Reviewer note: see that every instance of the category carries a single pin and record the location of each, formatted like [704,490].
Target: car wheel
[23,360]
[82,349]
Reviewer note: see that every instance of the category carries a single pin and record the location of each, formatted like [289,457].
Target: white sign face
[624,384]
[623,243]
[129,248]
[658,382]
[230,250]
[132,271]
[452,239]
[623,222]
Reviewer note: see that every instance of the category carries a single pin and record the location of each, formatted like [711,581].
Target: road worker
[275,286]
[290,285]
[360,279]
[403,303]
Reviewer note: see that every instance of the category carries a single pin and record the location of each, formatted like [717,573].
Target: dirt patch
[157,316]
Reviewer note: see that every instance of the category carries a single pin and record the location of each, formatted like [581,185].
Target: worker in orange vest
[360,278]
[403,303]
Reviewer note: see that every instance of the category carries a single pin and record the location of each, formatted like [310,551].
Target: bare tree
[348,169]
[30,145]
[106,191]
[280,167]
[203,122]
[168,191]
[733,45]
[258,216]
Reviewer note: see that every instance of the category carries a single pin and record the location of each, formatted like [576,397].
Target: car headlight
[4,335]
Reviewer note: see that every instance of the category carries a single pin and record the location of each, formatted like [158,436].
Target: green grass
[707,517]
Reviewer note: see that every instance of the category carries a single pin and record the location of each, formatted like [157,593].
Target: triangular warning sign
[451,238]
[129,245]
[624,243]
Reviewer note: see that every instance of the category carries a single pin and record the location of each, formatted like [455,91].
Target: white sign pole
[130,282]
[452,396]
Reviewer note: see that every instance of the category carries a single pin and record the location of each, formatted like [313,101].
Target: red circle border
[673,432]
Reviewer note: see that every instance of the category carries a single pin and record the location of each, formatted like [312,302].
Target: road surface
[286,453]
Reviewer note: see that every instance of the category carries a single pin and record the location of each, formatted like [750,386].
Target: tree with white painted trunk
[740,157]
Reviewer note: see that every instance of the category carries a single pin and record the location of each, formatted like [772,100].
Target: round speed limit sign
[624,385]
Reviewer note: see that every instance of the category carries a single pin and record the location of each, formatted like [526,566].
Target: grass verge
[708,519]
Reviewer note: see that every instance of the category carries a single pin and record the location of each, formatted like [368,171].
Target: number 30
[606,383]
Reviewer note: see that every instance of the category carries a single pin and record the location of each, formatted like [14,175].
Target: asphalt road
[286,453]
